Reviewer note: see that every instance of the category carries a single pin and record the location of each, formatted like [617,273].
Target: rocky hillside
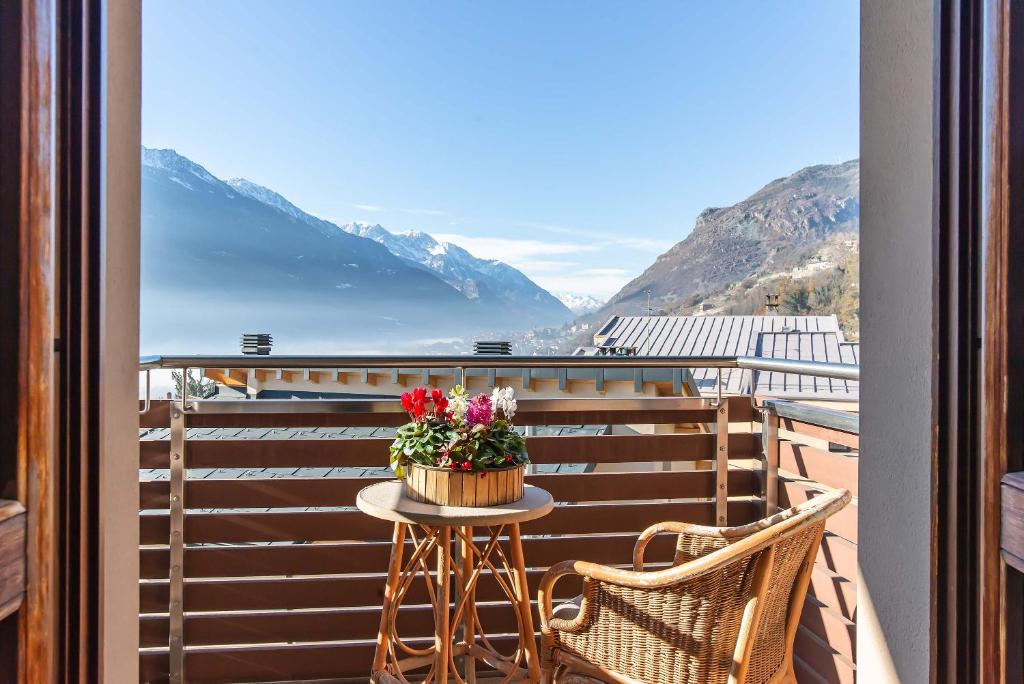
[774,230]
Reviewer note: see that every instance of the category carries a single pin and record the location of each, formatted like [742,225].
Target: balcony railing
[255,566]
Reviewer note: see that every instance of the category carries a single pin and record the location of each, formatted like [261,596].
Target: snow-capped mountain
[224,257]
[179,169]
[271,198]
[580,304]
[221,259]
[489,281]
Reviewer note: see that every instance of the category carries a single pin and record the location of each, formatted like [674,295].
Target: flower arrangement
[458,432]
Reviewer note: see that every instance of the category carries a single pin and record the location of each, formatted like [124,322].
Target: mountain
[271,198]
[580,304]
[219,259]
[774,230]
[487,281]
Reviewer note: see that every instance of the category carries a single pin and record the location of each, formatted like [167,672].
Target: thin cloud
[543,265]
[368,207]
[424,212]
[602,286]
[605,272]
[538,260]
[512,251]
[603,239]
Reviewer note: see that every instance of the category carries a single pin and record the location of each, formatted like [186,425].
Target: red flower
[466,465]
[407,402]
[419,401]
[437,395]
[440,407]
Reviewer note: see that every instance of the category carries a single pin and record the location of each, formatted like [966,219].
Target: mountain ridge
[490,281]
[773,229]
[235,256]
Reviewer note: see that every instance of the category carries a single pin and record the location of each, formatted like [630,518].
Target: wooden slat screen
[307,606]
[811,459]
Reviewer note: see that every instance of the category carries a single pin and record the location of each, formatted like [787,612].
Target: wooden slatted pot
[447,487]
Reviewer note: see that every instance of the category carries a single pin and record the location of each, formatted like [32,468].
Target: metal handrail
[839,371]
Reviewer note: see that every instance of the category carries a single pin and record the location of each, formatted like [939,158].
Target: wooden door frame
[26,314]
[979,393]
[78,236]
[69,174]
[1002,360]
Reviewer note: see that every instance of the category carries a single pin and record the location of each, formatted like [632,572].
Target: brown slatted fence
[284,578]
[813,458]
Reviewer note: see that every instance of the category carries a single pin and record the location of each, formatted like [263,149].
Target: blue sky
[575,140]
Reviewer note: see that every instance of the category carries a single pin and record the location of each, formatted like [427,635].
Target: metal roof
[807,346]
[808,338]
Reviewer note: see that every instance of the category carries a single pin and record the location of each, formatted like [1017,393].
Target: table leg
[469,626]
[390,589]
[442,640]
[526,636]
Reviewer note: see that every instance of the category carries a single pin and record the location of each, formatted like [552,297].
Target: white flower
[458,402]
[505,401]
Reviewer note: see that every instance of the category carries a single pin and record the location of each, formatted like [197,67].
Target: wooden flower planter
[447,487]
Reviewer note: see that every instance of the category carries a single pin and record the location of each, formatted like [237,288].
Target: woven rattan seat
[726,611]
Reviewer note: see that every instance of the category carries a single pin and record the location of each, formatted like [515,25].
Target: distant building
[704,309]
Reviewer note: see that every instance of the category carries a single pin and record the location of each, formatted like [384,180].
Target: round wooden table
[459,638]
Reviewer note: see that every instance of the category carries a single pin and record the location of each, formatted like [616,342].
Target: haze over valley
[225,257]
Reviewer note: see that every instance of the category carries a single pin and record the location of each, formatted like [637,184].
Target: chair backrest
[783,603]
[795,551]
[787,590]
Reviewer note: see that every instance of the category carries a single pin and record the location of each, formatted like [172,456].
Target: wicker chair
[726,611]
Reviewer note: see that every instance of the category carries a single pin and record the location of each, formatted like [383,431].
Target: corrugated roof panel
[806,346]
[809,338]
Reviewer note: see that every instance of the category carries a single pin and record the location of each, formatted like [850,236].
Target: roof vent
[492,348]
[617,351]
[257,343]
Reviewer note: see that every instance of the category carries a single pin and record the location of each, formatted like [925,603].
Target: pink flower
[480,411]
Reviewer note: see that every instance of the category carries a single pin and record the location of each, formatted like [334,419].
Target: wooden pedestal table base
[459,637]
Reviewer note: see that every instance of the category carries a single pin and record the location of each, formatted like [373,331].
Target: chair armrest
[690,530]
[545,592]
